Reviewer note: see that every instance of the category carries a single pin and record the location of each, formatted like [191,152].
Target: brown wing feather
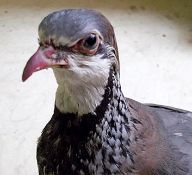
[164,145]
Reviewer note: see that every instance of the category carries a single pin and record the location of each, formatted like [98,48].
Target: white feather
[81,86]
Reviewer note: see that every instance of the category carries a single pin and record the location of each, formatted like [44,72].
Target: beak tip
[26,73]
[23,78]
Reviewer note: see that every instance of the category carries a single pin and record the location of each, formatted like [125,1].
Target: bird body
[95,130]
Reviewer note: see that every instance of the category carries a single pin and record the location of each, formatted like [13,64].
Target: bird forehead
[70,25]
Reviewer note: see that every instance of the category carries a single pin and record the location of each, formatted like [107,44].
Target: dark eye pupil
[90,41]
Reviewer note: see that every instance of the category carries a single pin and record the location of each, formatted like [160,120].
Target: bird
[95,129]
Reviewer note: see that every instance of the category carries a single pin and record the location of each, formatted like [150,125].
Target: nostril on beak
[50,53]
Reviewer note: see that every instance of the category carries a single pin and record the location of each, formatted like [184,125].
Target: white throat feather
[81,87]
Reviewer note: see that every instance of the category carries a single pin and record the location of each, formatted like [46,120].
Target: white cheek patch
[81,87]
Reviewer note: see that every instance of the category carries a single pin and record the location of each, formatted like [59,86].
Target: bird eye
[90,42]
[87,45]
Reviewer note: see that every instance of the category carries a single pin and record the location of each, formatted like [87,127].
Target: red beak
[42,59]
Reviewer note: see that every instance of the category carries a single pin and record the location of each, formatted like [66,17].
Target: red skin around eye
[78,48]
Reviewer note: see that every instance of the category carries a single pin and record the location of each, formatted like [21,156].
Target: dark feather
[178,125]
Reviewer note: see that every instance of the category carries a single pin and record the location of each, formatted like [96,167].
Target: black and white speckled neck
[92,144]
[95,130]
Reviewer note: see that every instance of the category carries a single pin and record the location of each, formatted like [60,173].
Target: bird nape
[95,130]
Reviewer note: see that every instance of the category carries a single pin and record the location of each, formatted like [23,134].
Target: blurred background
[155,46]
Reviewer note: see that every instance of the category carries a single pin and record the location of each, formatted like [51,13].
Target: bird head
[79,45]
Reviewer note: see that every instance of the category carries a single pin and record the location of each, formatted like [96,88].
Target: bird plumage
[94,128]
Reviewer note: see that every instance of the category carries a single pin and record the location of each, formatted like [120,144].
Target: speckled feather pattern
[107,134]
[93,144]
[100,143]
